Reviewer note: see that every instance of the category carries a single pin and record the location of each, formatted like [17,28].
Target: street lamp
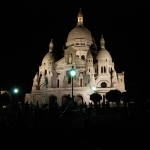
[15,90]
[72,72]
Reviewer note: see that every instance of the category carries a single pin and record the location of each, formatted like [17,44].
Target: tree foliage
[113,95]
[95,97]
[4,97]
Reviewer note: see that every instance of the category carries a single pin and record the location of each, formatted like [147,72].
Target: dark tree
[114,96]
[95,97]
[5,98]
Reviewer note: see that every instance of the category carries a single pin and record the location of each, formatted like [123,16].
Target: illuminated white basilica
[94,68]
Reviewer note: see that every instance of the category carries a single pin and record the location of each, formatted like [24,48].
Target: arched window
[83,57]
[58,83]
[52,101]
[104,69]
[103,84]
[89,70]
[81,82]
[69,76]
[45,72]
[41,74]
[101,69]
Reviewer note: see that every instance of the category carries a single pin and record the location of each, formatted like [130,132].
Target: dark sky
[27,27]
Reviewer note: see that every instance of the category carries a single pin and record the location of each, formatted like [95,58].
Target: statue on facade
[70,59]
[88,79]
[46,81]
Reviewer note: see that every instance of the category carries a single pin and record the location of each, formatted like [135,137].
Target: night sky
[27,28]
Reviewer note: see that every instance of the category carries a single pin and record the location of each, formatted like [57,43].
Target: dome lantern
[80,18]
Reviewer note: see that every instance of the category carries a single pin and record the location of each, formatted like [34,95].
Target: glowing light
[93,88]
[16,90]
[4,106]
[72,71]
[80,19]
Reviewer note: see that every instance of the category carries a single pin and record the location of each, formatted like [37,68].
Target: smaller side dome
[48,57]
[103,54]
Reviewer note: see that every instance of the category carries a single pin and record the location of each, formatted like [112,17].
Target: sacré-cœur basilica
[94,68]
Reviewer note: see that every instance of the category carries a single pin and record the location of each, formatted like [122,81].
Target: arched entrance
[52,101]
[79,100]
[64,100]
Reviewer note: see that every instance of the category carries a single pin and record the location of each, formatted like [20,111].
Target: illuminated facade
[94,68]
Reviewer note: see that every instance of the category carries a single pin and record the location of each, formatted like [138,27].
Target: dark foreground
[47,130]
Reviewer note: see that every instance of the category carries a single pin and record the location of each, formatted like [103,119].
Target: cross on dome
[51,45]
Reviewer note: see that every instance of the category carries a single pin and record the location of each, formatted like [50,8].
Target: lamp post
[72,72]
[16,91]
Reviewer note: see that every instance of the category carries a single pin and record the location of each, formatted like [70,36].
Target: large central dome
[79,33]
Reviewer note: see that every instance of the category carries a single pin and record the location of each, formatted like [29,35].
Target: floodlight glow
[93,88]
